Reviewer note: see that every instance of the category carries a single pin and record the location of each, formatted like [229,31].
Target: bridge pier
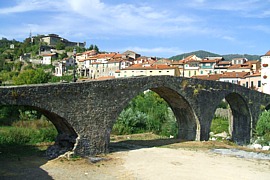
[187,124]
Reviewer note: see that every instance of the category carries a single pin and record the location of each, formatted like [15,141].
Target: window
[252,85]
[259,84]
[151,71]
[246,84]
[201,72]
[159,71]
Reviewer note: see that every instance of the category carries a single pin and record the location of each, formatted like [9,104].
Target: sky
[149,27]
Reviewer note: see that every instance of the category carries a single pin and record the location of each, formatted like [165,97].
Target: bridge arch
[66,137]
[188,123]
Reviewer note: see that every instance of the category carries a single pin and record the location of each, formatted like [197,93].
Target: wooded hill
[203,54]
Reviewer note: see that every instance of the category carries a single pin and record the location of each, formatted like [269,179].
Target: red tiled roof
[254,74]
[240,66]
[268,53]
[234,74]
[209,61]
[105,77]
[224,63]
[213,77]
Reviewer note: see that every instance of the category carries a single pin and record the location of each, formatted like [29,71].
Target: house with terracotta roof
[207,65]
[147,69]
[131,55]
[62,66]
[101,65]
[252,81]
[180,65]
[265,72]
[233,77]
[246,67]
[212,77]
[47,58]
[191,66]
[222,66]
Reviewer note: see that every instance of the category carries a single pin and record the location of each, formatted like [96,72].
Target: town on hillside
[91,64]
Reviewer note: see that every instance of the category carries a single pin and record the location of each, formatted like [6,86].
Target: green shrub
[13,136]
[146,113]
[219,125]
[263,127]
[20,135]
[28,132]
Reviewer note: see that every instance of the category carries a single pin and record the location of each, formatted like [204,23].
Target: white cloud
[97,18]
[262,28]
[30,5]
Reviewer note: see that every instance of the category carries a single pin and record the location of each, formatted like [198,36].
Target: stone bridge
[85,112]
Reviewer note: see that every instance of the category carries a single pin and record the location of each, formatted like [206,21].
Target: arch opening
[65,136]
[188,123]
[240,122]
[221,123]
[182,118]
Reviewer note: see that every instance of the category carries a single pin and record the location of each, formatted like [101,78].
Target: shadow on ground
[22,162]
[127,145]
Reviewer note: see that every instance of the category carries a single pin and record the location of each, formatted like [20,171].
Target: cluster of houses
[90,65]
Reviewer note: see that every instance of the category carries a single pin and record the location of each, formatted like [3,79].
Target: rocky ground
[147,159]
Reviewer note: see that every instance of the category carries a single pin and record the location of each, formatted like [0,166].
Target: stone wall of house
[84,113]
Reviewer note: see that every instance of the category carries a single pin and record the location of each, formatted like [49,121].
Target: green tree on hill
[32,76]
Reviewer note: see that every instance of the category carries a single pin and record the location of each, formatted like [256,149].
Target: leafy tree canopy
[32,76]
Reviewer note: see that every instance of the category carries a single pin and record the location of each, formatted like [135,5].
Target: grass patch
[219,125]
[27,133]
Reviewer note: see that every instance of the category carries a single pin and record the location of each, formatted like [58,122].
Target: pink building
[252,81]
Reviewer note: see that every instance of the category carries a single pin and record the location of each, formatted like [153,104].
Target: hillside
[203,54]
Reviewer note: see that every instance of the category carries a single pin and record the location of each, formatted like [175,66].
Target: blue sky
[149,27]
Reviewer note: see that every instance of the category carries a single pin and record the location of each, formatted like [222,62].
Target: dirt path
[132,161]
[161,163]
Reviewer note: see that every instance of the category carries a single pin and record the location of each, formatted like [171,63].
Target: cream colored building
[252,81]
[147,70]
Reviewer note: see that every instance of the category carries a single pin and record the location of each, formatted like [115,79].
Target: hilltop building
[53,39]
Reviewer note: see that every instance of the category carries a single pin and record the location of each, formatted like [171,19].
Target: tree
[96,48]
[32,76]
[91,47]
[60,45]
[263,125]
[62,56]
[146,113]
